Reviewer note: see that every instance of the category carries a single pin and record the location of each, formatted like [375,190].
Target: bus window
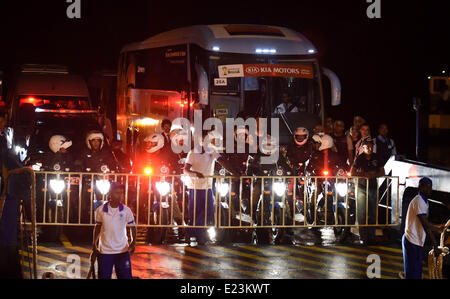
[161,69]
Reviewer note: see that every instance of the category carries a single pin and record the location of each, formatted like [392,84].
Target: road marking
[395,250]
[316,263]
[281,263]
[361,265]
[386,269]
[182,258]
[233,260]
[65,241]
[365,251]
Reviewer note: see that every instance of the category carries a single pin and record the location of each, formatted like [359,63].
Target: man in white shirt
[110,236]
[416,229]
[200,167]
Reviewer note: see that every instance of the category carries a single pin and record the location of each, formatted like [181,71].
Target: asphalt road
[314,258]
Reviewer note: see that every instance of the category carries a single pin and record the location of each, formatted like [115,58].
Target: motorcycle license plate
[74,181]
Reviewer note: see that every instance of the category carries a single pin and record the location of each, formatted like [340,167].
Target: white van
[45,96]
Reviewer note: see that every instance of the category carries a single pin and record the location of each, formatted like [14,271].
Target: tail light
[326,172]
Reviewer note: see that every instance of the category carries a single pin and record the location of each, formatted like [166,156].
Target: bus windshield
[267,85]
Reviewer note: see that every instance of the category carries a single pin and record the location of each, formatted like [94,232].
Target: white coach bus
[224,70]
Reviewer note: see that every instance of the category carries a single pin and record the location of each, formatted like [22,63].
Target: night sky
[382,63]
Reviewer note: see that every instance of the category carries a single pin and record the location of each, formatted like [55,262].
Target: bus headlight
[57,186]
[223,189]
[279,188]
[342,189]
[103,186]
[163,188]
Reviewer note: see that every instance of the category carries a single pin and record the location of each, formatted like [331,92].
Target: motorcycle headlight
[223,189]
[212,233]
[163,188]
[279,188]
[57,186]
[103,186]
[342,189]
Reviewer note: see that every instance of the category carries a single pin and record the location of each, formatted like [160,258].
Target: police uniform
[299,155]
[96,161]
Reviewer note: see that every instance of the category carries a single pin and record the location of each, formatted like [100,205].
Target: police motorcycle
[95,188]
[320,202]
[53,208]
[274,203]
[159,195]
[334,203]
[302,188]
[344,191]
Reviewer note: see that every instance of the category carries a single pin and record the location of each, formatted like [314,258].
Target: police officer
[152,156]
[300,151]
[60,159]
[97,157]
[324,159]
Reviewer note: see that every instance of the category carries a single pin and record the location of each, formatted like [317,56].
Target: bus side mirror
[336,90]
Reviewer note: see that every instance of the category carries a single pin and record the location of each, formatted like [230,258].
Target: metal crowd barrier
[163,201]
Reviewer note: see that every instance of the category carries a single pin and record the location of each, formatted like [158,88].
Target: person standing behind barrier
[365,135]
[353,137]
[416,229]
[340,141]
[111,241]
[367,166]
[60,159]
[384,146]
[97,157]
[201,199]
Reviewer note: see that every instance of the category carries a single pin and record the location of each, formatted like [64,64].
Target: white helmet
[95,135]
[269,145]
[327,142]
[178,136]
[155,138]
[177,125]
[213,135]
[57,142]
[301,132]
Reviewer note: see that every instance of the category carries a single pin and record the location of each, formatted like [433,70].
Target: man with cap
[111,241]
[417,227]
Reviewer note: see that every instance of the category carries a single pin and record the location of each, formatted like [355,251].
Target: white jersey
[113,235]
[203,163]
[414,231]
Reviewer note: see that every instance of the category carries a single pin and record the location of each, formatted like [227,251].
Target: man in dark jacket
[97,157]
